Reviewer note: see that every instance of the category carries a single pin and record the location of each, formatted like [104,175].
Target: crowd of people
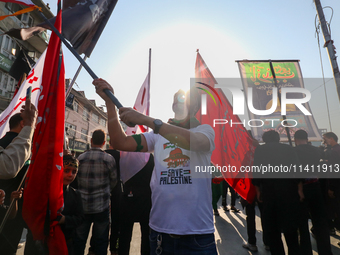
[174,206]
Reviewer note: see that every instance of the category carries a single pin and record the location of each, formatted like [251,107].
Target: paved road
[230,233]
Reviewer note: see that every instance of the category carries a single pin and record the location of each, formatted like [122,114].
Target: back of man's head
[271,136]
[301,135]
[14,121]
[331,135]
[98,137]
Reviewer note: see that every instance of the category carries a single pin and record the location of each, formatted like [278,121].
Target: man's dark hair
[271,136]
[14,121]
[301,135]
[98,137]
[331,135]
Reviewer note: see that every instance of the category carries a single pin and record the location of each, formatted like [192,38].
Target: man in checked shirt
[97,176]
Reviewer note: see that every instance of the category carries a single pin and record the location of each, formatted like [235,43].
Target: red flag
[43,200]
[133,162]
[233,145]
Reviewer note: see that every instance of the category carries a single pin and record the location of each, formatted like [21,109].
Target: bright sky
[223,31]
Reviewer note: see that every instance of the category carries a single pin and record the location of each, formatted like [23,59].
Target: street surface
[230,233]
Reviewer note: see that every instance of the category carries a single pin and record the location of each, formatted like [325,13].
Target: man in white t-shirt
[181,218]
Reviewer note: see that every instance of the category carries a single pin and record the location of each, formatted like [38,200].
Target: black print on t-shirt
[175,176]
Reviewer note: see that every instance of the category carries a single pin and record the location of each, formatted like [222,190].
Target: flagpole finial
[197,50]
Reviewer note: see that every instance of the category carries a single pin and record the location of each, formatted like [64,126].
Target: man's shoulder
[93,153]
[336,149]
[7,138]
[305,147]
[205,129]
[108,156]
[83,155]
[275,146]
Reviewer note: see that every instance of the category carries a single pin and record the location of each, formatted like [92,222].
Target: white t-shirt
[181,197]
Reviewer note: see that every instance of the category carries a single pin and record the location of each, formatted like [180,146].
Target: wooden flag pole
[279,95]
[10,208]
[149,66]
[82,62]
[74,78]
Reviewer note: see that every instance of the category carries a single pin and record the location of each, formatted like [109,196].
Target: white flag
[132,162]
[24,2]
[34,80]
[142,105]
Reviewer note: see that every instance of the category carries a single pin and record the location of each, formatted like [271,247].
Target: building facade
[10,48]
[82,117]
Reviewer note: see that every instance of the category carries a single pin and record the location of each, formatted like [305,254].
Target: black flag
[83,23]
[22,64]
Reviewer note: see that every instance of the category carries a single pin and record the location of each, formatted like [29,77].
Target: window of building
[4,81]
[7,84]
[86,114]
[25,18]
[75,106]
[84,133]
[102,122]
[6,47]
[11,84]
[71,129]
[12,7]
[95,118]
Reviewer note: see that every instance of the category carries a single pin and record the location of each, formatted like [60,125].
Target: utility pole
[329,45]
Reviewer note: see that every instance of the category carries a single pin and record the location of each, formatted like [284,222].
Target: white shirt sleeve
[209,132]
[151,139]
[13,158]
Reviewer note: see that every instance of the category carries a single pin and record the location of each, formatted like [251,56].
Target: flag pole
[74,78]
[149,66]
[10,208]
[149,79]
[82,62]
[283,116]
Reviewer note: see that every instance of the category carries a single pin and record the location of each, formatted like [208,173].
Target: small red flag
[233,145]
[43,200]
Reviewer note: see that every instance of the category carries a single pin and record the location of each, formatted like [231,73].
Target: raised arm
[13,158]
[181,137]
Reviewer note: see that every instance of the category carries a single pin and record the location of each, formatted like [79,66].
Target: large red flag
[233,144]
[43,200]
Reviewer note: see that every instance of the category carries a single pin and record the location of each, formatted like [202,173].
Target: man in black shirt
[314,204]
[280,196]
